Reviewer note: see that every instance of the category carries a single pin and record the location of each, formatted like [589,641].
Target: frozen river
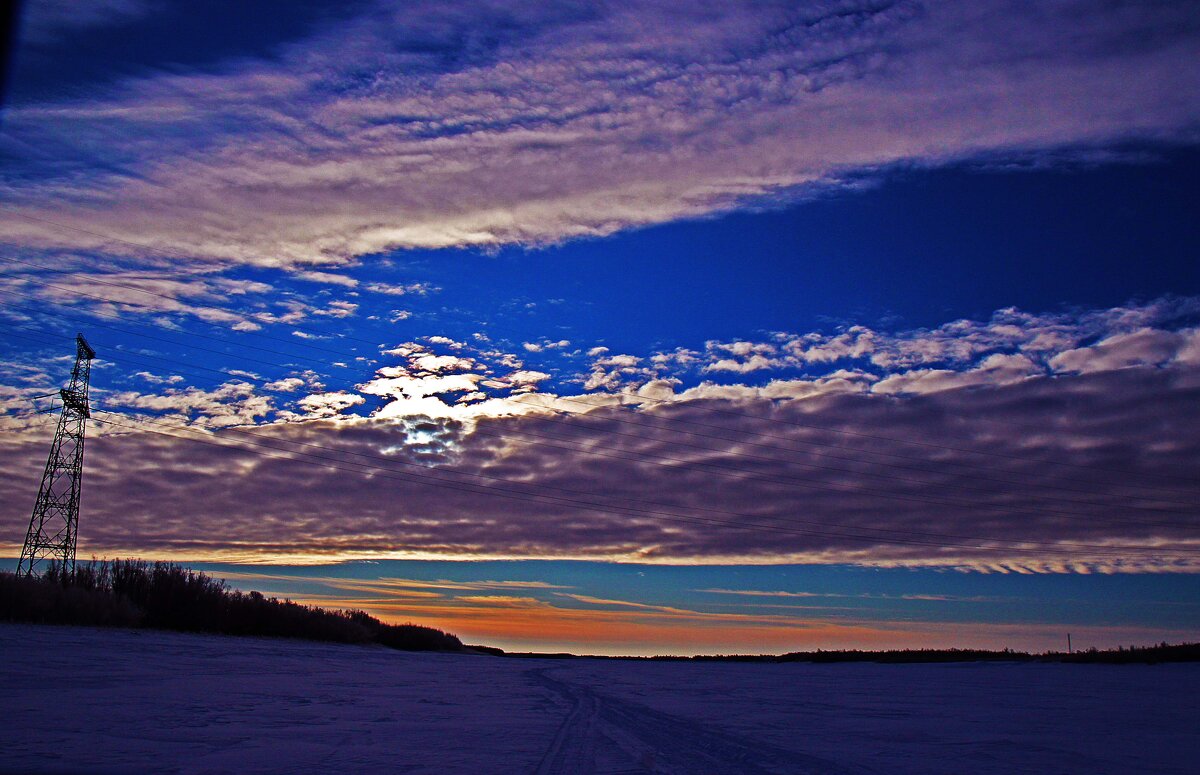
[85,700]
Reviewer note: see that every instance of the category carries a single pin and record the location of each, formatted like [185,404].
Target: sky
[623,327]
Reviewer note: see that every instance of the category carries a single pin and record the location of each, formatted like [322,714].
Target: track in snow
[607,736]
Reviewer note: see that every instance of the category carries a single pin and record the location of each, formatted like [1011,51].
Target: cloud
[853,343]
[527,377]
[973,448]
[1146,346]
[753,363]
[285,385]
[1010,345]
[860,595]
[410,289]
[1020,478]
[325,405]
[1189,350]
[997,369]
[612,372]
[154,379]
[759,593]
[338,309]
[113,292]
[545,344]
[443,363]
[232,403]
[328,278]
[562,123]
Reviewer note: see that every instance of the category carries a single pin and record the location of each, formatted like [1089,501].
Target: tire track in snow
[606,736]
[574,746]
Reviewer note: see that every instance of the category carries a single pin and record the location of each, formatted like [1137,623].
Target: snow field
[88,700]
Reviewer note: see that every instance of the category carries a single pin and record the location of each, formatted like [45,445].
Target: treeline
[1162,652]
[161,595]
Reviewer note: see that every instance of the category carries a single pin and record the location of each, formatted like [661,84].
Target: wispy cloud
[498,614]
[232,403]
[922,597]
[575,122]
[157,292]
[760,593]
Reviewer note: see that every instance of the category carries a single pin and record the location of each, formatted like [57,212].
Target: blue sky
[916,250]
[897,303]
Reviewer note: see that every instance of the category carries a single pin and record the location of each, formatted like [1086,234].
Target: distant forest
[165,596]
[1162,652]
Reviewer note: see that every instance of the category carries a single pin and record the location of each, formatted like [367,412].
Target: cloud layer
[1064,442]
[415,126]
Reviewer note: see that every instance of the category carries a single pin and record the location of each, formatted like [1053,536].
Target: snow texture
[85,700]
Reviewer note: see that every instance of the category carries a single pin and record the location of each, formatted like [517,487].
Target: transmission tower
[55,520]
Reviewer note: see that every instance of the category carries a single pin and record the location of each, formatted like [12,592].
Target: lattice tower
[55,521]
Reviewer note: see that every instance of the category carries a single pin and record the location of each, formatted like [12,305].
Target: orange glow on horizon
[527,624]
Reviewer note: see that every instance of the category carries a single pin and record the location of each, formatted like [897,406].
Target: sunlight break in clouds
[575,121]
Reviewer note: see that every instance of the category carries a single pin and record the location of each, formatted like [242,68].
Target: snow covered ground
[84,700]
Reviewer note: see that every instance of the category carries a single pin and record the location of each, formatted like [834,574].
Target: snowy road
[82,700]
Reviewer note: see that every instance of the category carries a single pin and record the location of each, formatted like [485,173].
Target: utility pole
[55,521]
